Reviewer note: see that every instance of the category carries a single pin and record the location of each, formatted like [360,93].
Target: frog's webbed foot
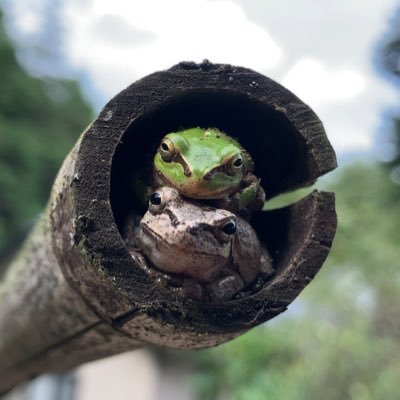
[225,288]
[250,197]
[233,204]
[230,203]
[192,289]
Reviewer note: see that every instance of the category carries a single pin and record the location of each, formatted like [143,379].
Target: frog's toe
[192,289]
[225,288]
[256,202]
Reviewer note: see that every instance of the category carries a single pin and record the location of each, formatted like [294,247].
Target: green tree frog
[208,164]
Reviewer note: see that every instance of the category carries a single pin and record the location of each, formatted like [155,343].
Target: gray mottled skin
[188,239]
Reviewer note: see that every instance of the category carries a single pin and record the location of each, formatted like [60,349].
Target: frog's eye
[227,229]
[155,199]
[156,202]
[235,164]
[167,150]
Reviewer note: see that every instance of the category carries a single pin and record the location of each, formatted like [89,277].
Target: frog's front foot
[192,289]
[250,197]
[225,288]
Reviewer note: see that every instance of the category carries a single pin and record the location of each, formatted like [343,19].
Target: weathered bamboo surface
[74,293]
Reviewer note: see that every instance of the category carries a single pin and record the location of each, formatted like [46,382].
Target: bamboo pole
[74,293]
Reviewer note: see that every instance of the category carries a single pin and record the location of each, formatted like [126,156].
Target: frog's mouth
[160,253]
[205,193]
[194,190]
[149,233]
[157,239]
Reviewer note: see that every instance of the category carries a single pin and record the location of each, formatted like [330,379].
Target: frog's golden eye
[227,229]
[167,150]
[156,202]
[235,164]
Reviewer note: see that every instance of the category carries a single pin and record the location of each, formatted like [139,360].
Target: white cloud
[28,17]
[331,92]
[323,53]
[349,101]
[180,30]
[345,130]
[317,84]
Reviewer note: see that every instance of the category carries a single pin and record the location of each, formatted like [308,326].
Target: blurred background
[61,61]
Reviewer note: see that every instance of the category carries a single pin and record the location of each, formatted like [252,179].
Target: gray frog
[217,253]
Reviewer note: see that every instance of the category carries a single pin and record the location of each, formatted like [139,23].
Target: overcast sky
[322,51]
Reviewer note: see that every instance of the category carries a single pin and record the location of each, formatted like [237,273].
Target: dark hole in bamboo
[276,147]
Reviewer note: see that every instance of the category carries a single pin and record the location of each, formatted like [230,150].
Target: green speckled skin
[200,167]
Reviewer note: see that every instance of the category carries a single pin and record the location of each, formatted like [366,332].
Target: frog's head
[186,238]
[201,163]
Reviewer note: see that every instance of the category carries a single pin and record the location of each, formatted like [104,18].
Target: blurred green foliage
[40,120]
[342,340]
